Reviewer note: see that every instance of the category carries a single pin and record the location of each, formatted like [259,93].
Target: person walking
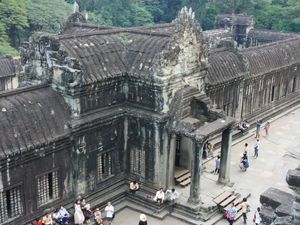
[245,209]
[258,126]
[143,220]
[78,215]
[218,164]
[109,213]
[246,149]
[231,213]
[267,128]
[257,218]
[256,148]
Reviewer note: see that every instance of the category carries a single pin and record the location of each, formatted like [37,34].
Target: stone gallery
[100,106]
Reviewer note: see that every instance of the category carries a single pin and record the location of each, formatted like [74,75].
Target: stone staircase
[182,176]
[225,199]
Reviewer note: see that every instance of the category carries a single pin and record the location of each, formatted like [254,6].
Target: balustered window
[104,165]
[137,162]
[47,188]
[11,205]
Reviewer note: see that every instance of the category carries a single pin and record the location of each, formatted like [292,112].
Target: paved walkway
[280,151]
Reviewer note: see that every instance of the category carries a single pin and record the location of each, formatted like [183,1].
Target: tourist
[109,212]
[243,126]
[258,126]
[218,164]
[231,213]
[172,195]
[160,196]
[78,214]
[244,164]
[257,218]
[210,149]
[245,209]
[47,219]
[133,187]
[87,212]
[267,128]
[64,215]
[143,220]
[256,148]
[38,222]
[246,149]
[82,203]
[98,217]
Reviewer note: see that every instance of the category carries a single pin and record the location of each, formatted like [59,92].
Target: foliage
[13,16]
[20,18]
[45,15]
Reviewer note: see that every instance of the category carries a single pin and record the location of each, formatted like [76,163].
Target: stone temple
[99,106]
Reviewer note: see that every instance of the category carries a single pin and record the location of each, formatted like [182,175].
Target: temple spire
[75,7]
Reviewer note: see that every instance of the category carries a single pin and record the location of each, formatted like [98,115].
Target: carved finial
[75,7]
[186,16]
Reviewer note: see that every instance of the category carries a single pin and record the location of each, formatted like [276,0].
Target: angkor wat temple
[99,106]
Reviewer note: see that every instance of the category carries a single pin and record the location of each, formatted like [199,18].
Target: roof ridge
[22,90]
[276,43]
[114,31]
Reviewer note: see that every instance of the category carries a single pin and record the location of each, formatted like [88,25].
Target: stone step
[228,201]
[185,182]
[184,177]
[180,172]
[223,196]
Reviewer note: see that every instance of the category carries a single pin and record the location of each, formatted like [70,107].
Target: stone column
[224,175]
[239,110]
[293,179]
[172,152]
[196,165]
[125,151]
[157,155]
[166,146]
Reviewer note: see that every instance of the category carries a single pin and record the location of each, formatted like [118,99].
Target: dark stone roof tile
[31,117]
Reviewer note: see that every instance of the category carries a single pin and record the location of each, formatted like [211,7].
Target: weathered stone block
[274,197]
[267,215]
[286,220]
[284,210]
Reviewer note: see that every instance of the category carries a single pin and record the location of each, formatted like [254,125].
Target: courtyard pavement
[279,152]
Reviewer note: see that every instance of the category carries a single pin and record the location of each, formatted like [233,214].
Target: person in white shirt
[160,196]
[257,218]
[172,195]
[109,212]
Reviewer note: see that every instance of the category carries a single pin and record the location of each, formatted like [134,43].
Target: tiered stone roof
[265,58]
[31,117]
[224,65]
[270,36]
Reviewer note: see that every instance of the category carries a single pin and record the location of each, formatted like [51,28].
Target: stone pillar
[293,179]
[239,110]
[125,151]
[166,146]
[224,175]
[172,152]
[157,156]
[196,165]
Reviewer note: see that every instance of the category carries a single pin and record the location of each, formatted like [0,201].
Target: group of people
[59,217]
[232,211]
[84,214]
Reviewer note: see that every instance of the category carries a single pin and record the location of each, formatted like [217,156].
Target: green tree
[13,19]
[45,15]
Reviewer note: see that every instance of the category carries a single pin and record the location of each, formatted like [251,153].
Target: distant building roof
[9,66]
